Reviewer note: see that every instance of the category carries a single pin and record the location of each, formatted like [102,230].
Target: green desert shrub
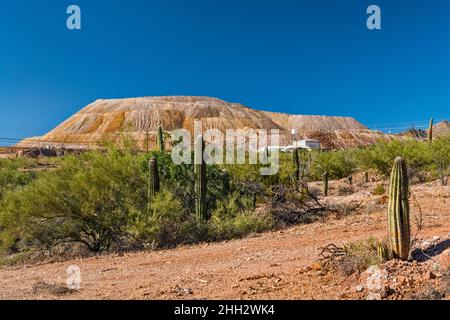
[170,224]
[379,190]
[100,199]
[232,218]
[88,199]
[440,155]
[338,164]
[13,174]
[163,225]
[251,172]
[381,156]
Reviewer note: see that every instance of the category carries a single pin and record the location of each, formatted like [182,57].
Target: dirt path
[266,266]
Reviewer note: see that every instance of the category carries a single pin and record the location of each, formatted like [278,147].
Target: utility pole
[293,133]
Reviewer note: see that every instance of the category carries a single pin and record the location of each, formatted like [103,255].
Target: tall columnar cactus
[153,178]
[200,180]
[160,138]
[430,131]
[309,160]
[296,163]
[147,142]
[226,181]
[325,184]
[366,177]
[398,211]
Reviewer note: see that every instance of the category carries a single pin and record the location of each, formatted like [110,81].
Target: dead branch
[418,221]
[330,253]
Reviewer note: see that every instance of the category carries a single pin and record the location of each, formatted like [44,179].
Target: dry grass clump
[42,287]
[344,190]
[379,190]
[353,257]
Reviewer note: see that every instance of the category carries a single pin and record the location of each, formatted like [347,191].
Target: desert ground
[274,265]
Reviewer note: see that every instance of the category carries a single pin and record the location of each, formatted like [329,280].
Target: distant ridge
[440,129]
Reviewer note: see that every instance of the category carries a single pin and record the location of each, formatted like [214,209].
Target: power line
[406,122]
[403,128]
[395,124]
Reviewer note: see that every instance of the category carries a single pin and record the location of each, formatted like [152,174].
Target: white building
[308,144]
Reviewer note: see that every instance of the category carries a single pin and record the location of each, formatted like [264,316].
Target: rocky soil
[425,277]
[273,265]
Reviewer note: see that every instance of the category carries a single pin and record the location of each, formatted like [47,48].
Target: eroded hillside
[105,119]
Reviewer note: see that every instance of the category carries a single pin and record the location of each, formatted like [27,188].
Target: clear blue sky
[303,57]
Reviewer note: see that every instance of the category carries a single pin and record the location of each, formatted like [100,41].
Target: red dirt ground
[265,266]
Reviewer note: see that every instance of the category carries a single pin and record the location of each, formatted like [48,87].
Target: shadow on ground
[434,249]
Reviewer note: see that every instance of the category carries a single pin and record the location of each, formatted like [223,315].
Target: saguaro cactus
[398,211]
[309,160]
[200,179]
[325,183]
[366,177]
[296,162]
[160,138]
[226,181]
[254,200]
[147,142]
[430,131]
[153,178]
